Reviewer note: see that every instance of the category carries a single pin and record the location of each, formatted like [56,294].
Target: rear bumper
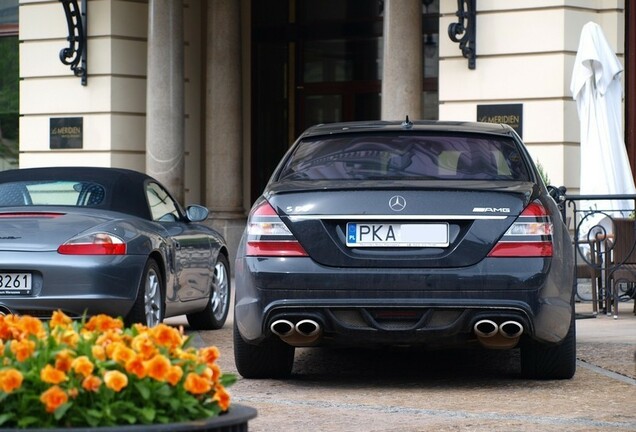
[74,284]
[432,307]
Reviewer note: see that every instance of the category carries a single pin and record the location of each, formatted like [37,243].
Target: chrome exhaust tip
[486,328]
[5,310]
[511,329]
[308,327]
[282,328]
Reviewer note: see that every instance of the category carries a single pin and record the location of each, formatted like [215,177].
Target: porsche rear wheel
[215,313]
[148,308]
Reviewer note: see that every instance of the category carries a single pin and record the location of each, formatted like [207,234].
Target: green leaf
[61,410]
[148,414]
[5,418]
[228,379]
[143,390]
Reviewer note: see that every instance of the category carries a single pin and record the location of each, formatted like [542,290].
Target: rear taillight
[529,236]
[94,244]
[267,235]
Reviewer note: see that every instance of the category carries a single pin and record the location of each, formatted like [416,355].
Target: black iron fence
[603,229]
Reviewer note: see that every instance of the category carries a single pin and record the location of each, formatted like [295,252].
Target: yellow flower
[10,379]
[22,349]
[53,398]
[115,380]
[158,367]
[50,375]
[196,384]
[65,336]
[99,352]
[83,366]
[91,383]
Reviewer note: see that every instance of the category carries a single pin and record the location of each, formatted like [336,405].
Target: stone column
[165,135]
[223,122]
[402,64]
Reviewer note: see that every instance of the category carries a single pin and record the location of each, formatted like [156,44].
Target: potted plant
[97,374]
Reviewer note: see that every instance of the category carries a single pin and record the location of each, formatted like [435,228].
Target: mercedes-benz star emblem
[397,203]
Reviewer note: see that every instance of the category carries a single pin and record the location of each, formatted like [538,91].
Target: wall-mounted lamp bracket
[466,27]
[75,54]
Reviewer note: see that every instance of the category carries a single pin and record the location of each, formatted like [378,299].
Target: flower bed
[92,373]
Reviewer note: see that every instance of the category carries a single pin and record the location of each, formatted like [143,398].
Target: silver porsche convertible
[106,240]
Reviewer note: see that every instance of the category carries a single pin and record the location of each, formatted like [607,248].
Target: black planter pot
[234,420]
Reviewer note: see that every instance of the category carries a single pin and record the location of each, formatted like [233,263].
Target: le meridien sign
[66,132]
[510,114]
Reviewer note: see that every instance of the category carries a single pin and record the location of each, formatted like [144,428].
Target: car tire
[272,358]
[148,308]
[550,362]
[215,313]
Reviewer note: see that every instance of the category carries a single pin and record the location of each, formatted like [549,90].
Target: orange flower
[73,392]
[10,379]
[63,360]
[174,375]
[102,323]
[167,336]
[22,349]
[31,326]
[222,397]
[99,352]
[53,398]
[115,380]
[158,367]
[51,375]
[196,384]
[83,366]
[59,319]
[91,383]
[65,336]
[144,345]
[137,367]
[209,354]
[121,353]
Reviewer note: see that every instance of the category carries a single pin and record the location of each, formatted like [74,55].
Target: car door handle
[177,245]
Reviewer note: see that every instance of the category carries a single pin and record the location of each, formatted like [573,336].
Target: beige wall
[525,54]
[113,103]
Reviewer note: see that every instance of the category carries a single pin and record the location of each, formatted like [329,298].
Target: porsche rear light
[94,244]
[529,236]
[267,235]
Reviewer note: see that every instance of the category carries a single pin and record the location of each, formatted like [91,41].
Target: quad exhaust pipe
[305,332]
[498,336]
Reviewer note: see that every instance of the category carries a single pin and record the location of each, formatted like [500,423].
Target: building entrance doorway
[320,62]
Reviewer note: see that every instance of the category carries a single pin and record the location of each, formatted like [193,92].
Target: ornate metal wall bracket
[465,27]
[75,54]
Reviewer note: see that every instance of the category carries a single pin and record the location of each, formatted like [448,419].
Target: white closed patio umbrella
[596,87]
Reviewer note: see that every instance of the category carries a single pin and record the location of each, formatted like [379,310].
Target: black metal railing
[603,229]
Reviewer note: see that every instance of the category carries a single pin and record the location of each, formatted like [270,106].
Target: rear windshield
[54,193]
[406,157]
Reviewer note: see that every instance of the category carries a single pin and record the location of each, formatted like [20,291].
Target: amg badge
[491,210]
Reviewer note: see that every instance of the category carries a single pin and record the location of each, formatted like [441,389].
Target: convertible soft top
[124,189]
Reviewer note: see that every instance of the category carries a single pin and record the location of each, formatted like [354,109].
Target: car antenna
[407,124]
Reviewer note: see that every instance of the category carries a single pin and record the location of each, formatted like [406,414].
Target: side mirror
[197,213]
[557,193]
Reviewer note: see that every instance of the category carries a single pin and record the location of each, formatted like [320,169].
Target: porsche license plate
[397,235]
[15,283]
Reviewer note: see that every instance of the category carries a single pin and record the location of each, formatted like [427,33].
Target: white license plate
[397,235]
[15,283]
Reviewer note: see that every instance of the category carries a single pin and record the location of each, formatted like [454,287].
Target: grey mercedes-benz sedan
[423,234]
